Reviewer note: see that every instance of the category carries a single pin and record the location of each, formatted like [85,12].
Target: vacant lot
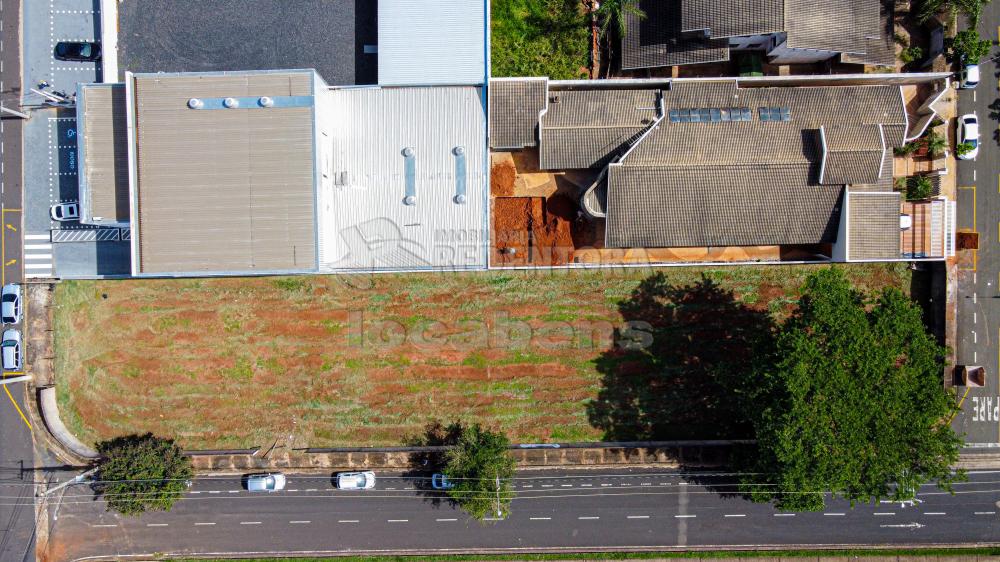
[540,38]
[370,360]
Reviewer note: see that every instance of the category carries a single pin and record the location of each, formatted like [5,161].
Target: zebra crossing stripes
[37,256]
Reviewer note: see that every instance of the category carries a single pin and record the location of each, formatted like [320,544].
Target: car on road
[11,350]
[968,132]
[266,482]
[440,482]
[969,77]
[10,303]
[65,211]
[356,480]
[81,51]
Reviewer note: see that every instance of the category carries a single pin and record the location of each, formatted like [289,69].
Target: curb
[49,409]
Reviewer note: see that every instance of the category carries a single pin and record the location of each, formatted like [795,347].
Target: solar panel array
[709,114]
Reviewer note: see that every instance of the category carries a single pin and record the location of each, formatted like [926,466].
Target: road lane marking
[588,517]
[735,515]
[234,491]
[38,246]
[294,490]
[313,490]
[37,236]
[528,486]
[986,513]
[834,514]
[157,524]
[566,485]
[539,518]
[935,513]
[685,516]
[582,485]
[347,521]
[445,520]
[883,513]
[605,484]
[203,524]
[299,522]
[249,522]
[637,517]
[784,515]
[214,492]
[397,520]
[18,408]
[194,492]
[547,485]
[104,525]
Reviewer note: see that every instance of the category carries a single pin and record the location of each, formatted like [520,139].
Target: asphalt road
[553,510]
[979,279]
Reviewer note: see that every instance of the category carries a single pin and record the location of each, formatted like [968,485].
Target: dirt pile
[502,179]
[526,231]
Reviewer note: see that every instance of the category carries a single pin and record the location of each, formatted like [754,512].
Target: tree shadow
[425,463]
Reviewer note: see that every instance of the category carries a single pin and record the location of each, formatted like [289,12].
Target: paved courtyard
[192,35]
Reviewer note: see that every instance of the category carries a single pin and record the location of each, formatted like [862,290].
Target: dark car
[78,51]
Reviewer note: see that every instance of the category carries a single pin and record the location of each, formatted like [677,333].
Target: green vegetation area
[371,360]
[540,38]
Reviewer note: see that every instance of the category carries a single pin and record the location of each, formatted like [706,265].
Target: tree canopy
[967,46]
[850,401]
[481,467]
[139,473]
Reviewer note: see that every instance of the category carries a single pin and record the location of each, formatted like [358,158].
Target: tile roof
[874,226]
[733,18]
[719,206]
[853,154]
[832,25]
[585,129]
[664,37]
[679,144]
[515,107]
[879,49]
[655,40]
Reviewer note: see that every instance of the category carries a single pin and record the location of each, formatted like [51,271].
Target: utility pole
[75,480]
[12,380]
[499,514]
[12,112]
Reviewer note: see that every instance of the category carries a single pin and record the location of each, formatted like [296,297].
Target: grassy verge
[539,38]
[923,554]
[367,361]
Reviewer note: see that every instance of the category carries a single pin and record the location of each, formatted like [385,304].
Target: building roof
[432,42]
[853,154]
[516,105]
[874,226]
[880,49]
[832,25]
[698,31]
[588,128]
[431,144]
[223,190]
[740,205]
[732,18]
[103,152]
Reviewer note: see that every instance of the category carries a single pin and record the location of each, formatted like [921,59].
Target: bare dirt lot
[369,360]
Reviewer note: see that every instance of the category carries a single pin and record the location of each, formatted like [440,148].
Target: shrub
[918,188]
[911,54]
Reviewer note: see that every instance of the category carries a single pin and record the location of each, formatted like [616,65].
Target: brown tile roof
[515,106]
[874,226]
[719,206]
[853,154]
[832,25]
[584,129]
[733,18]
[655,40]
[879,49]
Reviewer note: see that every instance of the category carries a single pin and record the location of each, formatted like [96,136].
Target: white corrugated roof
[432,42]
[364,222]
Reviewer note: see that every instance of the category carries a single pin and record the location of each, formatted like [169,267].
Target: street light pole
[12,112]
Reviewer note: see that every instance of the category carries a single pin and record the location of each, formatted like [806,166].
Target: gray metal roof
[733,18]
[388,143]
[741,205]
[223,190]
[516,105]
[432,42]
[102,145]
[588,128]
[874,226]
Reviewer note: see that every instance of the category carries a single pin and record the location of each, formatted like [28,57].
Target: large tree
[139,473]
[481,467]
[851,401]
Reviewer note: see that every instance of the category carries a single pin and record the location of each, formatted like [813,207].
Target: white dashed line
[834,514]
[249,522]
[104,525]
[588,518]
[784,515]
[299,522]
[637,517]
[528,486]
[397,520]
[156,524]
[348,521]
[445,520]
[566,485]
[935,513]
[735,515]
[685,516]
[547,485]
[986,513]
[539,518]
[203,524]
[883,514]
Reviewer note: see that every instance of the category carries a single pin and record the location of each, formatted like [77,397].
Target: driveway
[195,36]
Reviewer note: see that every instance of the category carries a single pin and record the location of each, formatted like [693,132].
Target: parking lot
[64,20]
[191,35]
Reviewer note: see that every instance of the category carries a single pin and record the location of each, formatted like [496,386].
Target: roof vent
[553,99]
[410,200]
[195,103]
[231,103]
[265,101]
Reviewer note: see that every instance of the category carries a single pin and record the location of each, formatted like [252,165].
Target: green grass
[540,38]
[713,554]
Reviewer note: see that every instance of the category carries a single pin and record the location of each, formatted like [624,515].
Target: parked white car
[10,303]
[267,482]
[969,78]
[356,480]
[11,350]
[65,211]
[968,132]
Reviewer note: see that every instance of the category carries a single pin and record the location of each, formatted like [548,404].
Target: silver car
[10,303]
[11,348]
[267,482]
[356,480]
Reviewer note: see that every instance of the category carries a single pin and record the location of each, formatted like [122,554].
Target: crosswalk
[37,255]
